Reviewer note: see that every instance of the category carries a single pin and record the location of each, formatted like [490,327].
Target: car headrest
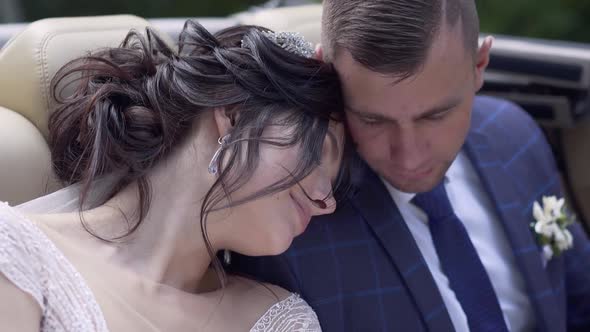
[303,19]
[25,166]
[29,61]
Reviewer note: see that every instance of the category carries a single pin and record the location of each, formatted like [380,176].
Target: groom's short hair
[393,36]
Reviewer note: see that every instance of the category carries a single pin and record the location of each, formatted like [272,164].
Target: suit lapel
[509,204]
[374,203]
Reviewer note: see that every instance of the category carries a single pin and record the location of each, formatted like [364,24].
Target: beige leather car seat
[27,64]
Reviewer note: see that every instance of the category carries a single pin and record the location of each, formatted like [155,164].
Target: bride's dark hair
[134,103]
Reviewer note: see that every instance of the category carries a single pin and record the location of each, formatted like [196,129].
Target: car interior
[550,80]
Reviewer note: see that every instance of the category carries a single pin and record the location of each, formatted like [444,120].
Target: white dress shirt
[474,208]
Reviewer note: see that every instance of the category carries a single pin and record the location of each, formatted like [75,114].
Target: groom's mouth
[414,174]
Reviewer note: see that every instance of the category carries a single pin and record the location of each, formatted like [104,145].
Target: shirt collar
[399,197]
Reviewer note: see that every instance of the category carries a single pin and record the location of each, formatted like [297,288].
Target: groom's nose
[405,149]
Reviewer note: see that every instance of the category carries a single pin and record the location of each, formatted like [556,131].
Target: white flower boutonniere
[550,226]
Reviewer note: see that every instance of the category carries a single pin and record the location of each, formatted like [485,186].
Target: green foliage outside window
[35,9]
[549,19]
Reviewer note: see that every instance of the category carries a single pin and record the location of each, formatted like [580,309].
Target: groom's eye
[438,116]
[370,121]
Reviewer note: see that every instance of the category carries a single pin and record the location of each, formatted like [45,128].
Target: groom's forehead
[446,49]
[447,67]
[413,98]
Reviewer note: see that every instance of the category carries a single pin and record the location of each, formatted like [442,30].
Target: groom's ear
[482,59]
[319,52]
[225,120]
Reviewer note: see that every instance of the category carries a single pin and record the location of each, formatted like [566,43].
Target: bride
[230,144]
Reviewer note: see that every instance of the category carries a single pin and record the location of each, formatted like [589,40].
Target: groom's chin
[416,183]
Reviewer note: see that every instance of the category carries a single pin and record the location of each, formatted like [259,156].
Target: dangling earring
[227,257]
[213,165]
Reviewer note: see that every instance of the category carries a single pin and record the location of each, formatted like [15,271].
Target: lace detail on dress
[32,262]
[292,314]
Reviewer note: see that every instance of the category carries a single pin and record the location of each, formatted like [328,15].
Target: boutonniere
[550,226]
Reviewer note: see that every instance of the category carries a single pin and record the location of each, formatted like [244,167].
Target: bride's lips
[303,211]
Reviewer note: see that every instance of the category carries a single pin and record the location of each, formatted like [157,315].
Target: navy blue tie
[460,262]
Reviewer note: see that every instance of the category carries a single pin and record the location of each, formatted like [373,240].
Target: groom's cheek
[365,134]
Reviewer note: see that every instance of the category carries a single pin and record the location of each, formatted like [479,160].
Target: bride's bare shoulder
[19,311]
[262,293]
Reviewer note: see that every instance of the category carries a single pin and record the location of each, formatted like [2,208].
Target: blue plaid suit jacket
[361,270]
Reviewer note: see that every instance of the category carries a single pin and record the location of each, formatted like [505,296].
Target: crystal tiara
[290,41]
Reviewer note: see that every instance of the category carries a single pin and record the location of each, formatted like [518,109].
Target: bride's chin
[271,246]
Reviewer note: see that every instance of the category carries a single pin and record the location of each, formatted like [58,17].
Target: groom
[437,237]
